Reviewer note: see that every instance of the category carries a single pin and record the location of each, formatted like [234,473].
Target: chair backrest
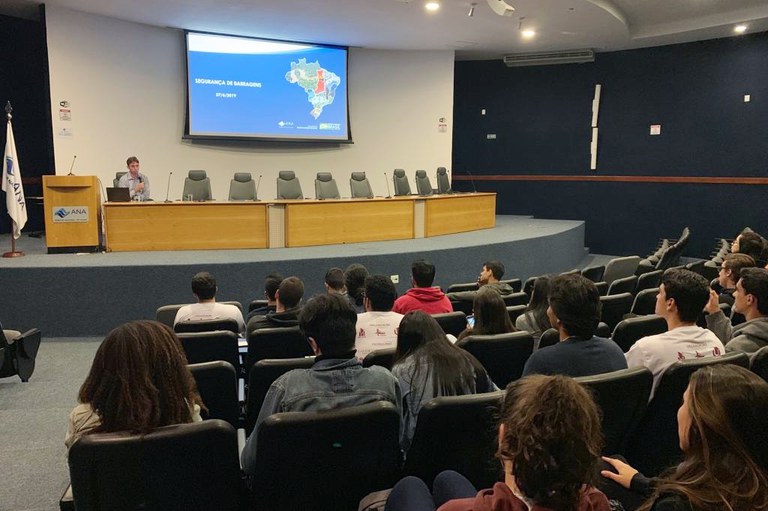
[423,186]
[515,311]
[467,286]
[325,186]
[116,181]
[620,267]
[628,331]
[464,306]
[242,187]
[655,445]
[217,385]
[359,186]
[603,330]
[384,358]
[327,460]
[210,346]
[400,180]
[759,363]
[528,285]
[286,342]
[256,304]
[503,355]
[515,284]
[261,376]
[468,424]
[207,325]
[593,273]
[649,280]
[197,185]
[288,186]
[549,337]
[623,397]
[443,183]
[451,322]
[614,308]
[622,285]
[186,466]
[645,302]
[520,298]
[167,313]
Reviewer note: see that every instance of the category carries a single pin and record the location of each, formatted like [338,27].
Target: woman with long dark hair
[490,314]
[139,381]
[534,319]
[721,428]
[428,365]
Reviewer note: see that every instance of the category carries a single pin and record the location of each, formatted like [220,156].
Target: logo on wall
[66,214]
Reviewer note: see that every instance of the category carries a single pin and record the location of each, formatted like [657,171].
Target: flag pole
[13,252]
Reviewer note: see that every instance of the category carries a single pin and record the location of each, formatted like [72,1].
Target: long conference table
[139,226]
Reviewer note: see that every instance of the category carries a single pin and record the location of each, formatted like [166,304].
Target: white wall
[125,86]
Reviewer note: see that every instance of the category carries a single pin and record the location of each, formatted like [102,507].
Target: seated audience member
[574,310]
[682,297]
[725,456]
[377,326]
[549,443]
[271,284]
[428,365]
[336,380]
[730,269]
[288,299]
[751,300]
[535,319]
[334,282]
[489,314]
[422,296]
[489,276]
[139,381]
[354,280]
[206,309]
[751,244]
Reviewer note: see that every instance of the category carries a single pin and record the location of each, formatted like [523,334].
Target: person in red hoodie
[422,296]
[549,443]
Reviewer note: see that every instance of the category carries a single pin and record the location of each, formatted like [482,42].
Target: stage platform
[69,295]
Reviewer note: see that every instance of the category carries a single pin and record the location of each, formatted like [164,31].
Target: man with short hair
[752,244]
[682,297]
[422,296]
[271,284]
[336,380]
[574,310]
[288,299]
[490,276]
[136,182]
[751,300]
[377,326]
[334,281]
[206,309]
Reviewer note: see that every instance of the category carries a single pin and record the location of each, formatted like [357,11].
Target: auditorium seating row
[242,187]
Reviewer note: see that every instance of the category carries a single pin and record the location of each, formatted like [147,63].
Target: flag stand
[13,252]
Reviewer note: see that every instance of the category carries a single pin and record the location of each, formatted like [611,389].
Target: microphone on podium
[168,187]
[258,183]
[386,180]
[72,166]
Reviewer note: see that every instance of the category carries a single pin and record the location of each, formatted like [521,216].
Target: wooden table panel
[185,225]
[449,214]
[347,221]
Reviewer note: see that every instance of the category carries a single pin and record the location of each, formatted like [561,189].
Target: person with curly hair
[139,381]
[549,443]
[720,428]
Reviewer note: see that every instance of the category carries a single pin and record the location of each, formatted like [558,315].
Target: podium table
[72,206]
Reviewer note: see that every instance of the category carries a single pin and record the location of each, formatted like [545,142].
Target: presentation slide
[242,87]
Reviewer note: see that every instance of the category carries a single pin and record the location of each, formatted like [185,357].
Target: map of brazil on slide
[319,84]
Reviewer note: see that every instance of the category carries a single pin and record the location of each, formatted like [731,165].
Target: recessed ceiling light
[740,29]
[432,5]
[528,33]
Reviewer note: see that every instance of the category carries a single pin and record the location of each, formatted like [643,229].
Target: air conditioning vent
[549,58]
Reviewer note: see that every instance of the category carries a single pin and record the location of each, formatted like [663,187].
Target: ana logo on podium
[68,214]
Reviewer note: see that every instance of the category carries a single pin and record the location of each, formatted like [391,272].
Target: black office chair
[443,183]
[383,358]
[623,397]
[326,460]
[211,346]
[615,307]
[288,342]
[655,445]
[503,355]
[423,186]
[623,285]
[217,385]
[466,424]
[645,302]
[261,376]
[628,331]
[451,322]
[206,326]
[186,466]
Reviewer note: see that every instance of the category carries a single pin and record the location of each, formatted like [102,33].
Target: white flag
[14,191]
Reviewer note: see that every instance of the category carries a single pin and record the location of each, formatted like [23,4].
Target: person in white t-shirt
[377,326]
[682,297]
[206,309]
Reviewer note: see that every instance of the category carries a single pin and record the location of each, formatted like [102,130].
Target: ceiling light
[432,5]
[528,33]
[740,29]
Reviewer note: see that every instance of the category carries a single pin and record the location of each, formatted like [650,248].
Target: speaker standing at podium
[135,181]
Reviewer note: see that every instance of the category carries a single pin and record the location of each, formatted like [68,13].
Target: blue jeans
[412,494]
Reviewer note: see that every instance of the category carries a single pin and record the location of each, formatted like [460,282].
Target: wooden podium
[72,213]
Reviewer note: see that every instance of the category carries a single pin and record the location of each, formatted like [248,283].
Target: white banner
[14,191]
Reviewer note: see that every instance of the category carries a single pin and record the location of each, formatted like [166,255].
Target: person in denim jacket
[336,380]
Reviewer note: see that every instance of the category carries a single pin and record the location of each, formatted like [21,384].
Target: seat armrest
[67,502]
